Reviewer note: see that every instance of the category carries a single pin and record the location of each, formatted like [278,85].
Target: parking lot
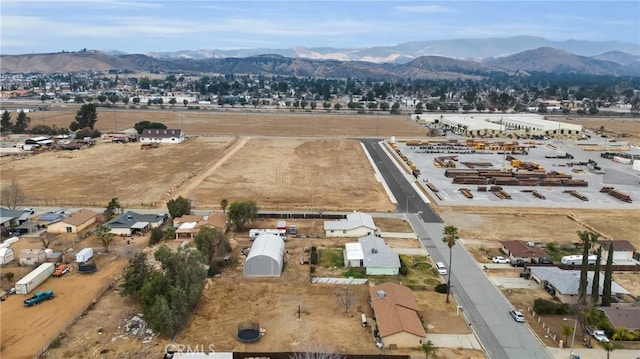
[611,174]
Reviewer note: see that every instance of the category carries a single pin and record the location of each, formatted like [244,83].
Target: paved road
[483,305]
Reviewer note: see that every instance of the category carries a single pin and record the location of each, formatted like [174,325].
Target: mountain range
[477,49]
[542,59]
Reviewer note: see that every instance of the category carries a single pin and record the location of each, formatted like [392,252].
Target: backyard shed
[32,257]
[266,257]
[6,255]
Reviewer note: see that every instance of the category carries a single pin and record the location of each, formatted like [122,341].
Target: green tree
[125,100]
[104,236]
[395,109]
[22,123]
[419,108]
[65,98]
[172,101]
[451,235]
[44,98]
[185,102]
[337,106]
[212,243]
[313,105]
[428,348]
[157,234]
[608,347]
[567,331]
[86,116]
[114,98]
[5,122]
[224,204]
[587,238]
[593,110]
[595,283]
[113,207]
[242,212]
[136,100]
[102,98]
[179,207]
[326,105]
[384,105]
[608,278]
[303,104]
[142,125]
[135,274]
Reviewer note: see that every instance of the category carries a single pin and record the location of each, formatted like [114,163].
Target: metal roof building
[379,259]
[266,257]
[517,124]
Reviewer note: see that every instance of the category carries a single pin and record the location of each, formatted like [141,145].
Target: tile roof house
[626,316]
[379,259]
[188,226]
[622,250]
[162,136]
[131,222]
[566,282]
[396,314]
[526,251]
[75,223]
[356,224]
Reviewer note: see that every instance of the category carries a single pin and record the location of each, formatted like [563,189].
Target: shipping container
[36,277]
[84,255]
[626,161]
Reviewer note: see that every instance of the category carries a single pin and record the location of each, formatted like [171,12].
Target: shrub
[404,271]
[441,288]
[314,258]
[156,235]
[9,276]
[543,306]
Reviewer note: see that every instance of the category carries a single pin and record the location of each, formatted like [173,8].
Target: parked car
[500,259]
[518,263]
[550,289]
[545,260]
[517,316]
[61,270]
[600,336]
[38,297]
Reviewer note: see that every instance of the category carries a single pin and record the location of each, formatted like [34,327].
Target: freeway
[483,305]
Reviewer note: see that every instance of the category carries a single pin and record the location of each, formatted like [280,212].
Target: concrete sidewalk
[467,341]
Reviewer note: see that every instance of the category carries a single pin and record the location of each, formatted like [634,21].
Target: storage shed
[31,257]
[6,255]
[266,257]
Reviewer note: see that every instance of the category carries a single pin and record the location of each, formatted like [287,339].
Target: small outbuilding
[266,257]
[32,257]
[622,250]
[6,256]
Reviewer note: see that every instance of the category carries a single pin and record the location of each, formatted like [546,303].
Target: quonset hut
[266,257]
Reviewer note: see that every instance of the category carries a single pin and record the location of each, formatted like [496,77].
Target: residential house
[398,323]
[75,223]
[162,136]
[527,251]
[566,282]
[10,220]
[623,315]
[129,223]
[356,224]
[378,258]
[623,250]
[32,257]
[188,226]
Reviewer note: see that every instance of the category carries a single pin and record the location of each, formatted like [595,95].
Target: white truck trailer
[254,233]
[84,255]
[36,277]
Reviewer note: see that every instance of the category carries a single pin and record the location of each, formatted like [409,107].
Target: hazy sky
[142,26]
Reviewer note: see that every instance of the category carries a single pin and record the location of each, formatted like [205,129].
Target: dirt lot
[282,176]
[26,330]
[246,122]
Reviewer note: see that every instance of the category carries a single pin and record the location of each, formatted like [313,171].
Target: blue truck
[38,297]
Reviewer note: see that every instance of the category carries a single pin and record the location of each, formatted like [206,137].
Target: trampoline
[248,332]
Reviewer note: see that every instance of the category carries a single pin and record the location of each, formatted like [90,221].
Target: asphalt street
[483,305]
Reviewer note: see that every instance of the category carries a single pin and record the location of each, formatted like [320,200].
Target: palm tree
[450,236]
[428,348]
[104,236]
[223,204]
[608,347]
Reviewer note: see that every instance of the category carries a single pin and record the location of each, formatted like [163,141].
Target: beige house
[396,311]
[75,223]
[188,226]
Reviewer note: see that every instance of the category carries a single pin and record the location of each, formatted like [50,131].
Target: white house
[357,224]
[162,136]
[622,250]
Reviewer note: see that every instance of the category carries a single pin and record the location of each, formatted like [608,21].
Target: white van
[442,269]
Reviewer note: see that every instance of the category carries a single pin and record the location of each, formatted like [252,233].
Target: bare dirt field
[25,330]
[247,122]
[282,176]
